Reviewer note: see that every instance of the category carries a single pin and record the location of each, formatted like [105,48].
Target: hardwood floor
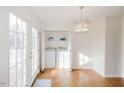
[79,78]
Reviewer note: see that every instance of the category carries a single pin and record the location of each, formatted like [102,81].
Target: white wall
[106,42]
[4,47]
[122,49]
[81,50]
[57,27]
[113,46]
[42,50]
[98,45]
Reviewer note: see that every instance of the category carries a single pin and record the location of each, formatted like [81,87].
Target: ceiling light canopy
[82,25]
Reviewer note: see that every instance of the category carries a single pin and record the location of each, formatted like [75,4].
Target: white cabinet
[50,58]
[57,49]
[57,58]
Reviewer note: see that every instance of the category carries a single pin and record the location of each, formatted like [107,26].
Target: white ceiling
[66,15]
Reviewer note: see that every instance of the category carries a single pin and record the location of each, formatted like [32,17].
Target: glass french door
[17,51]
[34,51]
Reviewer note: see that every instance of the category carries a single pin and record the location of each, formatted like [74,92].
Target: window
[17,51]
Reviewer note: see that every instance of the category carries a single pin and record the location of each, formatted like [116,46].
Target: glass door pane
[12,76]
[19,75]
[19,25]
[17,51]
[12,58]
[23,83]
[12,22]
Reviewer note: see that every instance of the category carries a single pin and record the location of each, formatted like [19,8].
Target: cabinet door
[63,59]
[50,59]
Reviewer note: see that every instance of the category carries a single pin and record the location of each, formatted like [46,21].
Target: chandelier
[83,24]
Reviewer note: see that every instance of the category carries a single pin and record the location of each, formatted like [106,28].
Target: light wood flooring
[79,78]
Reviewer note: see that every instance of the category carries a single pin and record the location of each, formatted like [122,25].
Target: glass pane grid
[17,52]
[12,76]
[12,22]
[12,40]
[12,58]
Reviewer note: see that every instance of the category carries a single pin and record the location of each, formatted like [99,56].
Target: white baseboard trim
[98,72]
[112,76]
[33,78]
[81,68]
[4,84]
[122,76]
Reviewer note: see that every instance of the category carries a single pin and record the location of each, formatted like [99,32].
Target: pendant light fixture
[83,24]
